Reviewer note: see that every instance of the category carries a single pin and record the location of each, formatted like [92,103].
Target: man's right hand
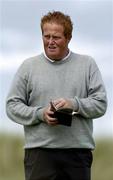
[49,116]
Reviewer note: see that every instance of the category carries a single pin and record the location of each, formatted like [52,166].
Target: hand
[63,103]
[48,113]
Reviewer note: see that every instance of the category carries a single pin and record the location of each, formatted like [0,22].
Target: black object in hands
[63,115]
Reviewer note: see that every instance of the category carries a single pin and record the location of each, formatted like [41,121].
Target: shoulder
[83,59]
[27,65]
[84,62]
[31,60]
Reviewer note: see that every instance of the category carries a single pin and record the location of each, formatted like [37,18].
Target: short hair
[61,19]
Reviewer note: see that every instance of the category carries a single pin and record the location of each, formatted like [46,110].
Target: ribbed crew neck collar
[51,60]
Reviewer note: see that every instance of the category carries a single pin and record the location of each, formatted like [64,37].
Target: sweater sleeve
[94,105]
[17,106]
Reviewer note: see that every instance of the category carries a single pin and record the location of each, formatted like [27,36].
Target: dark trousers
[57,164]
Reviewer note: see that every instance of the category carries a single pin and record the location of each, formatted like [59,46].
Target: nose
[51,40]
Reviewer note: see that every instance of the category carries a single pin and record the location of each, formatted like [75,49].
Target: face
[55,43]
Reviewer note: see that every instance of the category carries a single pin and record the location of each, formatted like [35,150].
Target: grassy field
[11,158]
[102,168]
[12,154]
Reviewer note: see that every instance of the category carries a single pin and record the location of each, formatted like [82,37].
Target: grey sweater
[38,80]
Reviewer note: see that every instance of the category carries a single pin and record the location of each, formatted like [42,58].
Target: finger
[51,113]
[50,117]
[52,121]
[60,104]
[57,101]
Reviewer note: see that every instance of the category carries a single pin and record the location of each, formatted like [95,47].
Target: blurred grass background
[12,156]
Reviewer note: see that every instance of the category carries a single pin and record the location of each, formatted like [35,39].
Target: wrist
[75,105]
[40,114]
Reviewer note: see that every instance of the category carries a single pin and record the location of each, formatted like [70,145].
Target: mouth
[51,48]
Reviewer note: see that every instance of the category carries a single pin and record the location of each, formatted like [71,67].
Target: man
[55,151]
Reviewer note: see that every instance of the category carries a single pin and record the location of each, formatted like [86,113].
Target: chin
[52,56]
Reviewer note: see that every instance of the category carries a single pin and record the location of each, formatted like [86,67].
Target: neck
[65,54]
[65,57]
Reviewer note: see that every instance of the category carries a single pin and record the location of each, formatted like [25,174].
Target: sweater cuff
[40,114]
[75,105]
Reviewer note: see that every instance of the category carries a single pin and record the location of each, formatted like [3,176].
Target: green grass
[12,155]
[11,158]
[102,168]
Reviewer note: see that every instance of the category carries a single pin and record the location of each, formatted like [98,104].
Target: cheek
[63,44]
[45,44]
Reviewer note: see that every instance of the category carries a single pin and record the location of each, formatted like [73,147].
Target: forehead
[53,27]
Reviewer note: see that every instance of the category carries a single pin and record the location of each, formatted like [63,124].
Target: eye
[56,37]
[46,36]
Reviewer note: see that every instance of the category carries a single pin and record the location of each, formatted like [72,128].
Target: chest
[63,80]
